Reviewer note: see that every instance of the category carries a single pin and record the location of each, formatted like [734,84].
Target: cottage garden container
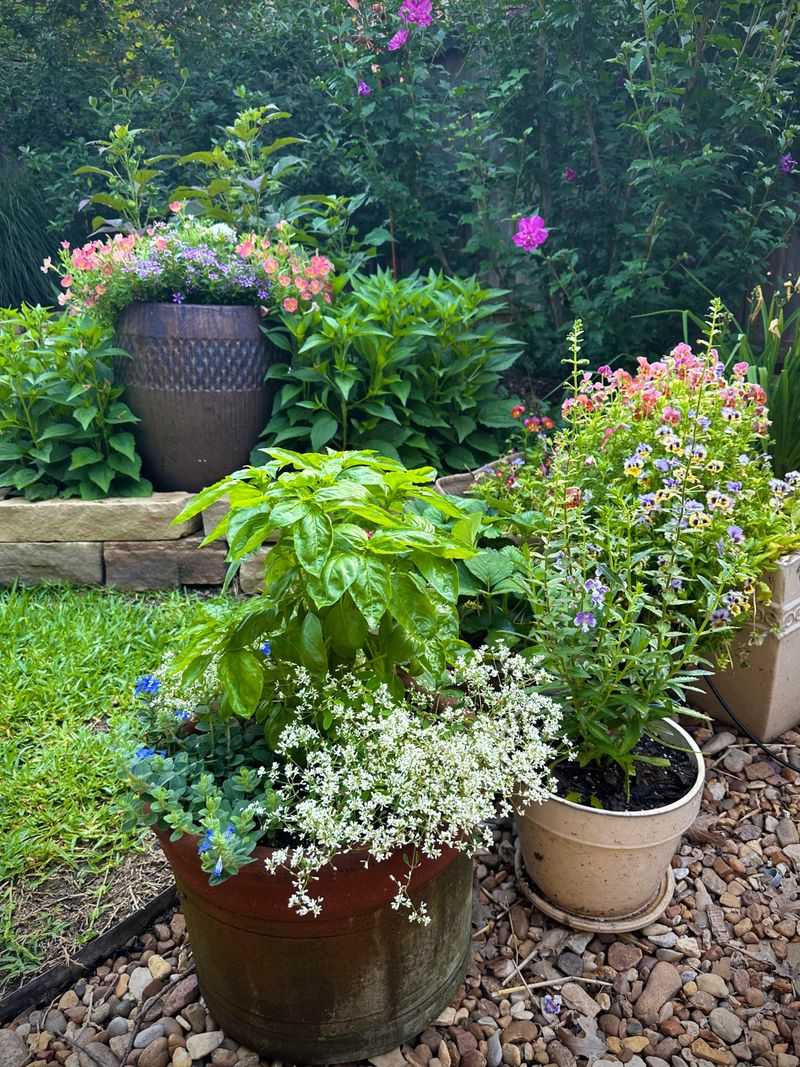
[187,298]
[639,540]
[327,756]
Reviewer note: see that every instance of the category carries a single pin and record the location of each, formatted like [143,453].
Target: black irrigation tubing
[40,990]
[764,748]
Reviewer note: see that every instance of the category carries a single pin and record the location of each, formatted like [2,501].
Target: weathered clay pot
[356,981]
[763,691]
[607,870]
[196,380]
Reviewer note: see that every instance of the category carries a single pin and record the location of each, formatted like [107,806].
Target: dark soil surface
[650,787]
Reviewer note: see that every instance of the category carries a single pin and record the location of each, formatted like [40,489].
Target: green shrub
[411,368]
[63,429]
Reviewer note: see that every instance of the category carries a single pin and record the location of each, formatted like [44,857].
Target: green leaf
[313,537]
[339,573]
[442,574]
[311,647]
[10,451]
[102,475]
[370,590]
[242,676]
[124,443]
[323,429]
[84,457]
[85,415]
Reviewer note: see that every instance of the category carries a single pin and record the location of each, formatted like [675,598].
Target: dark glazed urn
[196,381]
[358,980]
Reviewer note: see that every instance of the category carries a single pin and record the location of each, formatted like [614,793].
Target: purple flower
[585,620]
[596,590]
[363,89]
[786,164]
[398,40]
[417,12]
[551,1003]
[262,294]
[569,174]
[662,465]
[218,868]
[676,583]
[178,298]
[733,487]
[531,232]
[736,534]
[720,617]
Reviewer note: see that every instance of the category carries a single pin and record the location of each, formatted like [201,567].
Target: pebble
[570,963]
[99,1052]
[13,1050]
[155,1055]
[181,1058]
[726,1025]
[718,742]
[180,995]
[140,979]
[159,967]
[117,1026]
[786,832]
[150,1033]
[200,1045]
[55,1021]
[663,983]
[622,956]
[713,984]
[494,1051]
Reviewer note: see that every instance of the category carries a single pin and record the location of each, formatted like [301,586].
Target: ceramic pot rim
[666,808]
[186,306]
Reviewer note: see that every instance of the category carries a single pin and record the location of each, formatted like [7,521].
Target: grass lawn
[68,663]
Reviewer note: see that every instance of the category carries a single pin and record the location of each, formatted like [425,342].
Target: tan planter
[764,691]
[607,870]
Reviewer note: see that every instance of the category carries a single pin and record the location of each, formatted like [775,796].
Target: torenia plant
[646,529]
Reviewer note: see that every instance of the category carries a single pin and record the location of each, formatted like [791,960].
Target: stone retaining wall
[126,542]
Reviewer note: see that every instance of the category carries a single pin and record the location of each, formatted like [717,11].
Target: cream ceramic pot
[599,869]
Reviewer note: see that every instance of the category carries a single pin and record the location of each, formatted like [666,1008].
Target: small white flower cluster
[401,774]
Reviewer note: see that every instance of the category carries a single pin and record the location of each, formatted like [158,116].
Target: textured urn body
[358,980]
[195,379]
[597,864]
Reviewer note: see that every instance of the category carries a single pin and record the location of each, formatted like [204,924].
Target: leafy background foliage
[63,428]
[673,121]
[411,368]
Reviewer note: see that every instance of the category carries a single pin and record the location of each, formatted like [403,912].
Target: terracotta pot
[607,870]
[196,380]
[763,692]
[356,981]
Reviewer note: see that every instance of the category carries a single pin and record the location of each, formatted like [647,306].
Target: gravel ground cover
[715,981]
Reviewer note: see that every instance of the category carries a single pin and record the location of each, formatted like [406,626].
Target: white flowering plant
[644,530]
[419,773]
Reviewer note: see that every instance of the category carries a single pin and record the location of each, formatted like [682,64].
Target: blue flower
[229,830]
[183,715]
[147,685]
[266,648]
[218,868]
[662,465]
[551,1004]
[736,534]
[144,752]
[585,620]
[206,843]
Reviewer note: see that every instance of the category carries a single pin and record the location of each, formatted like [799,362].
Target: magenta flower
[398,40]
[569,174]
[363,89]
[417,12]
[786,164]
[531,232]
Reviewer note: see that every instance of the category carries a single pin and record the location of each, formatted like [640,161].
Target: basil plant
[356,576]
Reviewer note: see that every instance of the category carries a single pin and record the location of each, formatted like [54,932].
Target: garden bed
[714,981]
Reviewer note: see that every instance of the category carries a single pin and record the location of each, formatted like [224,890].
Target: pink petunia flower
[176,206]
[290,304]
[569,174]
